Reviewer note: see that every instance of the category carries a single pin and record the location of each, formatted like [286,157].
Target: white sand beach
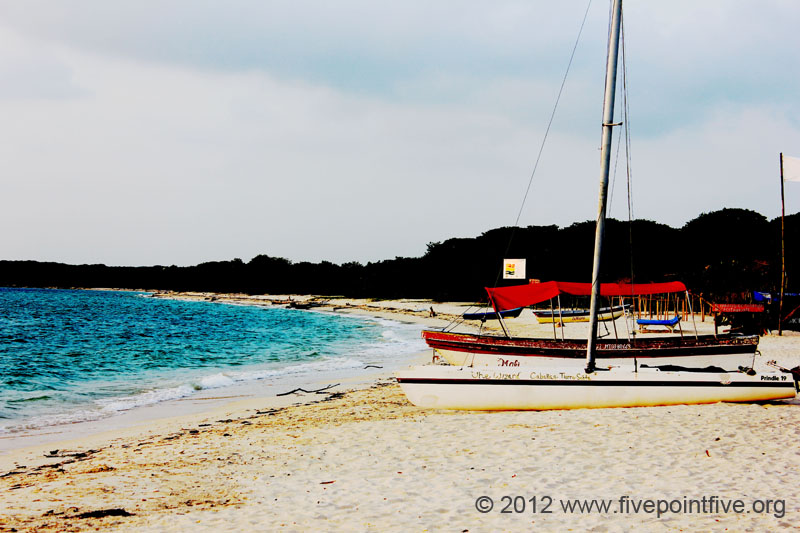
[367,460]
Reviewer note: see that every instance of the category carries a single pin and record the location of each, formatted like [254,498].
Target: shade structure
[503,298]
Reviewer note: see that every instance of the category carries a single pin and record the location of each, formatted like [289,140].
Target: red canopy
[503,298]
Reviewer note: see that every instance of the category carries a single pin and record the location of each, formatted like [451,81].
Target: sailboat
[531,387]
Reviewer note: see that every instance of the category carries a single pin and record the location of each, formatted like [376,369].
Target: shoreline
[365,459]
[205,401]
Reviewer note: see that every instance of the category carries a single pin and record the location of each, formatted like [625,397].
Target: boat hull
[501,389]
[465,349]
[491,315]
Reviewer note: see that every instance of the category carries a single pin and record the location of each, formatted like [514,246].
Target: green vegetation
[724,255]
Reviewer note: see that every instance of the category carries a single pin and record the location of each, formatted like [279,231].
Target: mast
[783,257]
[605,159]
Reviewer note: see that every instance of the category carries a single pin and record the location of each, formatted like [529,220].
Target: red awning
[503,298]
[737,308]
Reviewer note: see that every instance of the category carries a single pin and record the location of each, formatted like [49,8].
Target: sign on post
[513,268]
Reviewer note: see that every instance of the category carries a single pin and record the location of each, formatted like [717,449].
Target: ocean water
[71,356]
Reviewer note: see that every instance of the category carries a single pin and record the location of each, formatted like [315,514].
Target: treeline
[724,255]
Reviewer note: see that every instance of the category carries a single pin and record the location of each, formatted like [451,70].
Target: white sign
[791,168]
[513,269]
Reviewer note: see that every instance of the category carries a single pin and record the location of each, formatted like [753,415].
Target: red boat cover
[503,298]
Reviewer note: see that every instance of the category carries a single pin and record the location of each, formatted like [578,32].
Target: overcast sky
[176,132]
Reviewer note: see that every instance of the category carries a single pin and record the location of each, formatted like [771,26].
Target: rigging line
[553,114]
[613,181]
[610,202]
[608,31]
[546,132]
[614,175]
[616,160]
[626,110]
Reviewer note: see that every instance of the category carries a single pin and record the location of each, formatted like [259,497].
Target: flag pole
[783,257]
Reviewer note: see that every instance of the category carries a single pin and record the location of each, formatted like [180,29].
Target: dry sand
[368,460]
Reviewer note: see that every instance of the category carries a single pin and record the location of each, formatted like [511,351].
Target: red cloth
[737,308]
[503,298]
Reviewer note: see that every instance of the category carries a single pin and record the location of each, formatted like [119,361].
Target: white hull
[499,389]
[727,361]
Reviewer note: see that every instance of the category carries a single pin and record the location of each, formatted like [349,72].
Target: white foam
[111,405]
[396,340]
[215,381]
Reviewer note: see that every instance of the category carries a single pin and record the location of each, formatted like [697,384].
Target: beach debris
[327,482]
[372,366]
[100,468]
[708,454]
[312,391]
[76,455]
[101,513]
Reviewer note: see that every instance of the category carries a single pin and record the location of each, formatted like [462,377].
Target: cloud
[178,132]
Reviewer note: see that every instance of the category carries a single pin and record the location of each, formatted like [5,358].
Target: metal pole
[691,312]
[499,317]
[783,258]
[614,320]
[625,318]
[605,159]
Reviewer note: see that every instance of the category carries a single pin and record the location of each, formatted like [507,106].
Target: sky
[177,132]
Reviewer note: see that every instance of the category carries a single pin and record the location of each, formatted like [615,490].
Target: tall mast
[605,160]
[783,257]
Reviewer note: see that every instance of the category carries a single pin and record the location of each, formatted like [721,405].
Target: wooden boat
[577,315]
[492,315]
[305,305]
[499,388]
[726,351]
[536,388]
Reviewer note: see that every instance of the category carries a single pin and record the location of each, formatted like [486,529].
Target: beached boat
[726,351]
[492,315]
[562,316]
[497,389]
[531,387]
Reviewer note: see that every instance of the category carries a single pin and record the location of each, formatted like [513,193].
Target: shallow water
[69,356]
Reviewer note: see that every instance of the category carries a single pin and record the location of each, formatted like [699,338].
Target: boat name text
[773,378]
[494,375]
[560,375]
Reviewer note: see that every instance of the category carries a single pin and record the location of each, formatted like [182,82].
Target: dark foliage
[724,255]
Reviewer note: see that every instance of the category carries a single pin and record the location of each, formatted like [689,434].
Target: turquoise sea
[70,356]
